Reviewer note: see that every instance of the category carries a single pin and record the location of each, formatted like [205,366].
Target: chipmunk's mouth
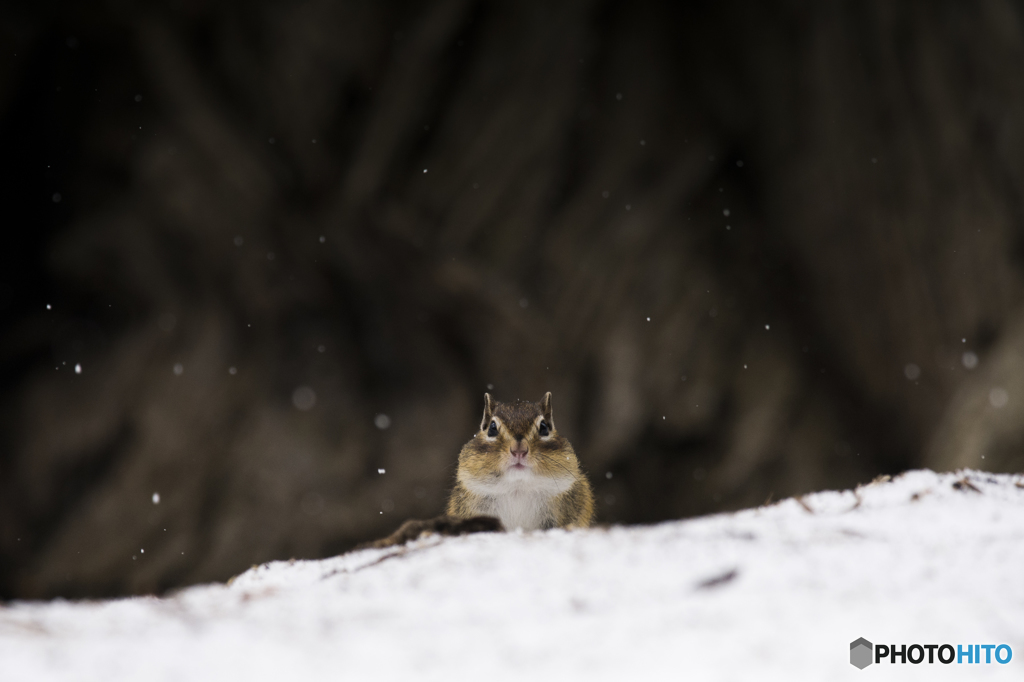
[518,468]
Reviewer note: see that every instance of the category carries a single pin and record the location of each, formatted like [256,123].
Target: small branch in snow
[439,525]
[718,580]
[964,484]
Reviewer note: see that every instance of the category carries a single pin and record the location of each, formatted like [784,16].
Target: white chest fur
[521,499]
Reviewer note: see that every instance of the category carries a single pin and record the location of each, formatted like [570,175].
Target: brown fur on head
[512,427]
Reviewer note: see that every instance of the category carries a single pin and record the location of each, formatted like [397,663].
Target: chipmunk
[520,470]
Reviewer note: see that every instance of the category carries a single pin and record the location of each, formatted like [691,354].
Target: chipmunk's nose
[519,452]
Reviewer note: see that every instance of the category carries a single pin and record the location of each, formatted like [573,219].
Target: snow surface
[914,560]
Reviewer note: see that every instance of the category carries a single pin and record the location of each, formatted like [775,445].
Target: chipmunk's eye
[544,430]
[492,430]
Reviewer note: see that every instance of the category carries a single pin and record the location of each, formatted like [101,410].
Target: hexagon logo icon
[860,653]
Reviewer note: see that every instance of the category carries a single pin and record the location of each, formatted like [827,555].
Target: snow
[773,593]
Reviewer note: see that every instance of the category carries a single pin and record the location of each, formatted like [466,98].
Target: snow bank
[774,593]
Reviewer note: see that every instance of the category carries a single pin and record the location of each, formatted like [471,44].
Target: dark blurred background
[255,252]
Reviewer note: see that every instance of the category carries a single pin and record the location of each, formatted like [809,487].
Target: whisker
[555,461]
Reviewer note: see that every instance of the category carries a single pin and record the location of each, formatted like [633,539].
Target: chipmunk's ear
[488,412]
[545,407]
